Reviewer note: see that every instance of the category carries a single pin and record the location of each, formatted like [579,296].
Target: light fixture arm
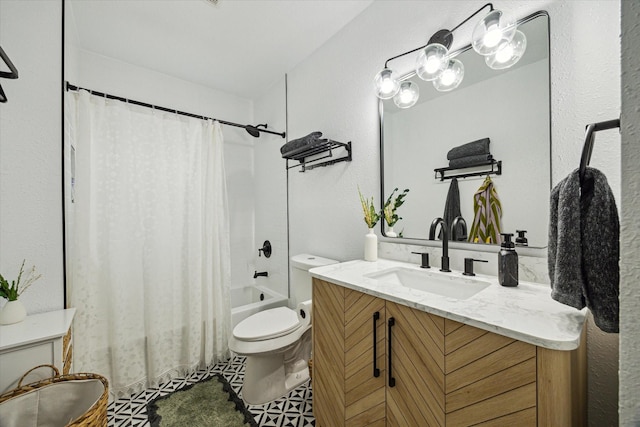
[472,15]
[441,36]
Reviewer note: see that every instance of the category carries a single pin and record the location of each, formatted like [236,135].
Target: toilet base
[268,377]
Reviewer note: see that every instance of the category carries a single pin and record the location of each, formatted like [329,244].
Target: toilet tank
[300,278]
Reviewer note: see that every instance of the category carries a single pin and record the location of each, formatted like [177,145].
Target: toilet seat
[267,324]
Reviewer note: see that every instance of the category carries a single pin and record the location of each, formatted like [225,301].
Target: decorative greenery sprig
[391,205]
[371,216]
[13,291]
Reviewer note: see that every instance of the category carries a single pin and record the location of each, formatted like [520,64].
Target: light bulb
[432,64]
[490,32]
[509,53]
[504,53]
[386,84]
[451,77]
[408,95]
[448,76]
[431,61]
[493,36]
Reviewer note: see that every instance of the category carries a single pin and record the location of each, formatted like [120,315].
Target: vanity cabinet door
[416,379]
[328,354]
[346,389]
[364,379]
[490,378]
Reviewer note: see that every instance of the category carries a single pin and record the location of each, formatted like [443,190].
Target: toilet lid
[267,324]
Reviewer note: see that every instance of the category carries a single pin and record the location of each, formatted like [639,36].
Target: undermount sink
[444,284]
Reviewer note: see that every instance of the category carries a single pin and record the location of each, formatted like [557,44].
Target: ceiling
[241,47]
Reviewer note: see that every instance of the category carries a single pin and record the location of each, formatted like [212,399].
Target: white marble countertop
[36,328]
[526,313]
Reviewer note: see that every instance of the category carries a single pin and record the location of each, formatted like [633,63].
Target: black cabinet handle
[392,381]
[376,371]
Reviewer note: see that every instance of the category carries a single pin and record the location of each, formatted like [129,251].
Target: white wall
[30,147]
[332,91]
[630,235]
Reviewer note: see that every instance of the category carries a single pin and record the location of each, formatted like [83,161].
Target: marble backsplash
[531,268]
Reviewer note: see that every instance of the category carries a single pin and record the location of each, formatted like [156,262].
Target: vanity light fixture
[493,37]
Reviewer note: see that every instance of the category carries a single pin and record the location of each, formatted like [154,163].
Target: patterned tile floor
[293,410]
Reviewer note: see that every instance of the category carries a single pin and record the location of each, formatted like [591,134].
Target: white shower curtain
[148,247]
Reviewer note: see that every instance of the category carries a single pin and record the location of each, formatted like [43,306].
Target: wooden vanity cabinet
[440,373]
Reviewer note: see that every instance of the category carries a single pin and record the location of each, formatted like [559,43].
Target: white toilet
[277,342]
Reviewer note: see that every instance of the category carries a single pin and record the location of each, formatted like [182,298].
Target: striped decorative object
[487,214]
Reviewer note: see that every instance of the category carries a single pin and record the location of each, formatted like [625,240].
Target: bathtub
[253,299]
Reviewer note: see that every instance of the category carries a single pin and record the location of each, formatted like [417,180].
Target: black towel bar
[587,149]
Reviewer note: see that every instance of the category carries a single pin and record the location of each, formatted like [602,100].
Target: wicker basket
[94,416]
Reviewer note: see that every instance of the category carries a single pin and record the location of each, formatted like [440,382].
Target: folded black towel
[584,248]
[462,162]
[474,148]
[311,139]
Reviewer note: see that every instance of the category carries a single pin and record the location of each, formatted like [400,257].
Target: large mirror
[510,107]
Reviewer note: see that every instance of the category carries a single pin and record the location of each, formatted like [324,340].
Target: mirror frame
[528,250]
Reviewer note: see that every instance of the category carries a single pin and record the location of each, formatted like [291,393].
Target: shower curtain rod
[71,87]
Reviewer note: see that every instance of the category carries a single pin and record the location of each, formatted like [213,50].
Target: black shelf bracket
[305,162]
[490,167]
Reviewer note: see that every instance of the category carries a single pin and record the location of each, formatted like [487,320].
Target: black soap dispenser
[521,240]
[507,262]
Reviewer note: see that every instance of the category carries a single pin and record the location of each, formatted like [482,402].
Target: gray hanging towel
[452,210]
[584,248]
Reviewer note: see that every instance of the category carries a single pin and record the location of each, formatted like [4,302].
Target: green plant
[391,205]
[371,216]
[12,291]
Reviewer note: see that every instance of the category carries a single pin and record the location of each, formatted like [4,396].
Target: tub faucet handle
[265,249]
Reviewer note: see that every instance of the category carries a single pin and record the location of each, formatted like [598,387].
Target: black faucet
[454,229]
[262,273]
[445,241]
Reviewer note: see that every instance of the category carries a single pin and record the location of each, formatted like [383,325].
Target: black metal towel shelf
[303,155]
[492,167]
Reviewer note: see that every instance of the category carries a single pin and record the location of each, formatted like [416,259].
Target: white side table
[43,338]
